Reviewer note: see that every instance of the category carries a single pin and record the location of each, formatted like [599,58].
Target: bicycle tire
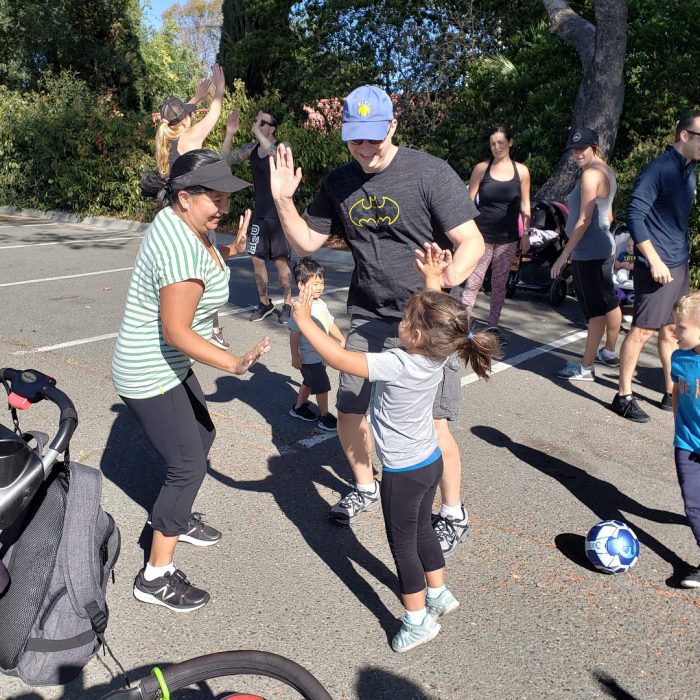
[233,663]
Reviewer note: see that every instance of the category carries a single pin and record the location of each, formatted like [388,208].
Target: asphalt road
[543,462]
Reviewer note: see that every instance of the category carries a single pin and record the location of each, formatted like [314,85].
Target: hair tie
[470,335]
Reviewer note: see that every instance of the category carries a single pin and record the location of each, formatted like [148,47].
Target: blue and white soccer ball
[612,547]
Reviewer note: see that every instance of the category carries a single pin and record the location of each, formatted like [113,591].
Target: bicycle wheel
[231,663]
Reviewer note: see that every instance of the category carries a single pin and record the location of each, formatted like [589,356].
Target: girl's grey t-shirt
[401,409]
[597,243]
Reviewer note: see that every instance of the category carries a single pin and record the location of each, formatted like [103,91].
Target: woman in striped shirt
[178,283]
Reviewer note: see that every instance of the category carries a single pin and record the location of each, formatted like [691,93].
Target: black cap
[174,110]
[216,176]
[581,137]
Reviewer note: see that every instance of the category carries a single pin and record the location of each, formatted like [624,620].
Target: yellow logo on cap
[364,110]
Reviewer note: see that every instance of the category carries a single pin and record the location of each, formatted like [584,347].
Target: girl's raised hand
[301,306]
[432,260]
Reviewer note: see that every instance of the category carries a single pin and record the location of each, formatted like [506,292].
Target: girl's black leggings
[179,426]
[407,502]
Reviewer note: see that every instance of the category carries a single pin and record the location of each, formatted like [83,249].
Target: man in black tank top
[266,240]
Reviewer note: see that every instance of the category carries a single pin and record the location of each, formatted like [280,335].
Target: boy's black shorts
[316,378]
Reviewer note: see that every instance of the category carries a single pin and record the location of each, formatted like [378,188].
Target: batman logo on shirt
[375,210]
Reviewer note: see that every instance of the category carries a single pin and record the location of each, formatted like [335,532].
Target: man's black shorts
[653,302]
[266,240]
[593,281]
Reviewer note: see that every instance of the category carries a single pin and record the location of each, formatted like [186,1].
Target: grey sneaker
[304,412]
[691,579]
[172,591]
[603,358]
[261,312]
[450,532]
[350,506]
[410,636]
[198,533]
[443,604]
[217,338]
[329,423]
[576,372]
[285,314]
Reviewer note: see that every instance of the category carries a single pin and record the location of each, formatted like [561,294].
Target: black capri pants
[179,426]
[594,286]
[407,503]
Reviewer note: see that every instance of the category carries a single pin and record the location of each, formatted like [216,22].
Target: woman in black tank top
[503,189]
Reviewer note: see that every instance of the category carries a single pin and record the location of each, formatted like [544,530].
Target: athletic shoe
[411,636]
[304,412]
[629,408]
[350,506]
[666,403]
[443,604]
[450,532]
[691,579]
[329,423]
[172,591]
[575,372]
[217,338]
[602,357]
[285,314]
[261,312]
[198,533]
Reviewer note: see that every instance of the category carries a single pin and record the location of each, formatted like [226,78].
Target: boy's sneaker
[443,604]
[198,533]
[217,338]
[285,314]
[261,312]
[172,591]
[603,357]
[304,412]
[329,423]
[450,532]
[350,506]
[691,579]
[411,636]
[576,372]
[666,403]
[627,407]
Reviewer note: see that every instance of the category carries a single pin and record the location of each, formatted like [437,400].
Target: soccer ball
[612,547]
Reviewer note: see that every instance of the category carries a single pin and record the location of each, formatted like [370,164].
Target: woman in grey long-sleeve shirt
[591,246]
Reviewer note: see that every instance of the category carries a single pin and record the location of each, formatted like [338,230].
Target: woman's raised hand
[242,232]
[217,74]
[243,363]
[284,180]
[233,123]
[202,89]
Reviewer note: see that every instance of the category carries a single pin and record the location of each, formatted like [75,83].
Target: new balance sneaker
[443,604]
[304,412]
[627,407]
[329,423]
[605,357]
[410,636]
[350,506]
[285,314]
[666,402]
[263,311]
[217,338]
[198,533]
[450,531]
[576,372]
[172,591]
[691,579]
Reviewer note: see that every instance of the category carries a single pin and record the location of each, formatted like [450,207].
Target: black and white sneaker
[450,531]
[304,412]
[285,314]
[666,403]
[172,591]
[346,510]
[263,311]
[691,579]
[329,423]
[199,533]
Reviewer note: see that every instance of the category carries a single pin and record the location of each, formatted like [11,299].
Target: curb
[103,222]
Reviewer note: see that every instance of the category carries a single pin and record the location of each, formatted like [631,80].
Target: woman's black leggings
[179,426]
[407,502]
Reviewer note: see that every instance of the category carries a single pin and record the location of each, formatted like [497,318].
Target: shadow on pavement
[376,683]
[602,498]
[611,687]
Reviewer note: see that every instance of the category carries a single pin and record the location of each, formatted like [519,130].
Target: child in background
[434,326]
[624,263]
[685,372]
[308,274]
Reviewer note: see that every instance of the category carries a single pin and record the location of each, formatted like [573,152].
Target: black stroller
[547,240]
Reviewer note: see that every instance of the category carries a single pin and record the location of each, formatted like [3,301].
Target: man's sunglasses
[264,123]
[373,142]
[692,133]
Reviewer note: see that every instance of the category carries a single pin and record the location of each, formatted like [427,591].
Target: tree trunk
[601,50]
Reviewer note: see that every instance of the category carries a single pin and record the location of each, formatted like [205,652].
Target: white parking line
[69,240]
[48,223]
[66,277]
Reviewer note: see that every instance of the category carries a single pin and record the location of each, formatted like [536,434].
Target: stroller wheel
[512,283]
[558,291]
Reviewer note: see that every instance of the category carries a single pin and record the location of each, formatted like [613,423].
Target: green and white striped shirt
[143,364]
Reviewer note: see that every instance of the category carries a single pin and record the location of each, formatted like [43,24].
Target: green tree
[198,24]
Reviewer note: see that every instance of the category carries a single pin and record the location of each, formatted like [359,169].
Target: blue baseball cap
[367,113]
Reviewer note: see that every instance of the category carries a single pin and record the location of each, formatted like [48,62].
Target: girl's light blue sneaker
[410,636]
[443,604]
